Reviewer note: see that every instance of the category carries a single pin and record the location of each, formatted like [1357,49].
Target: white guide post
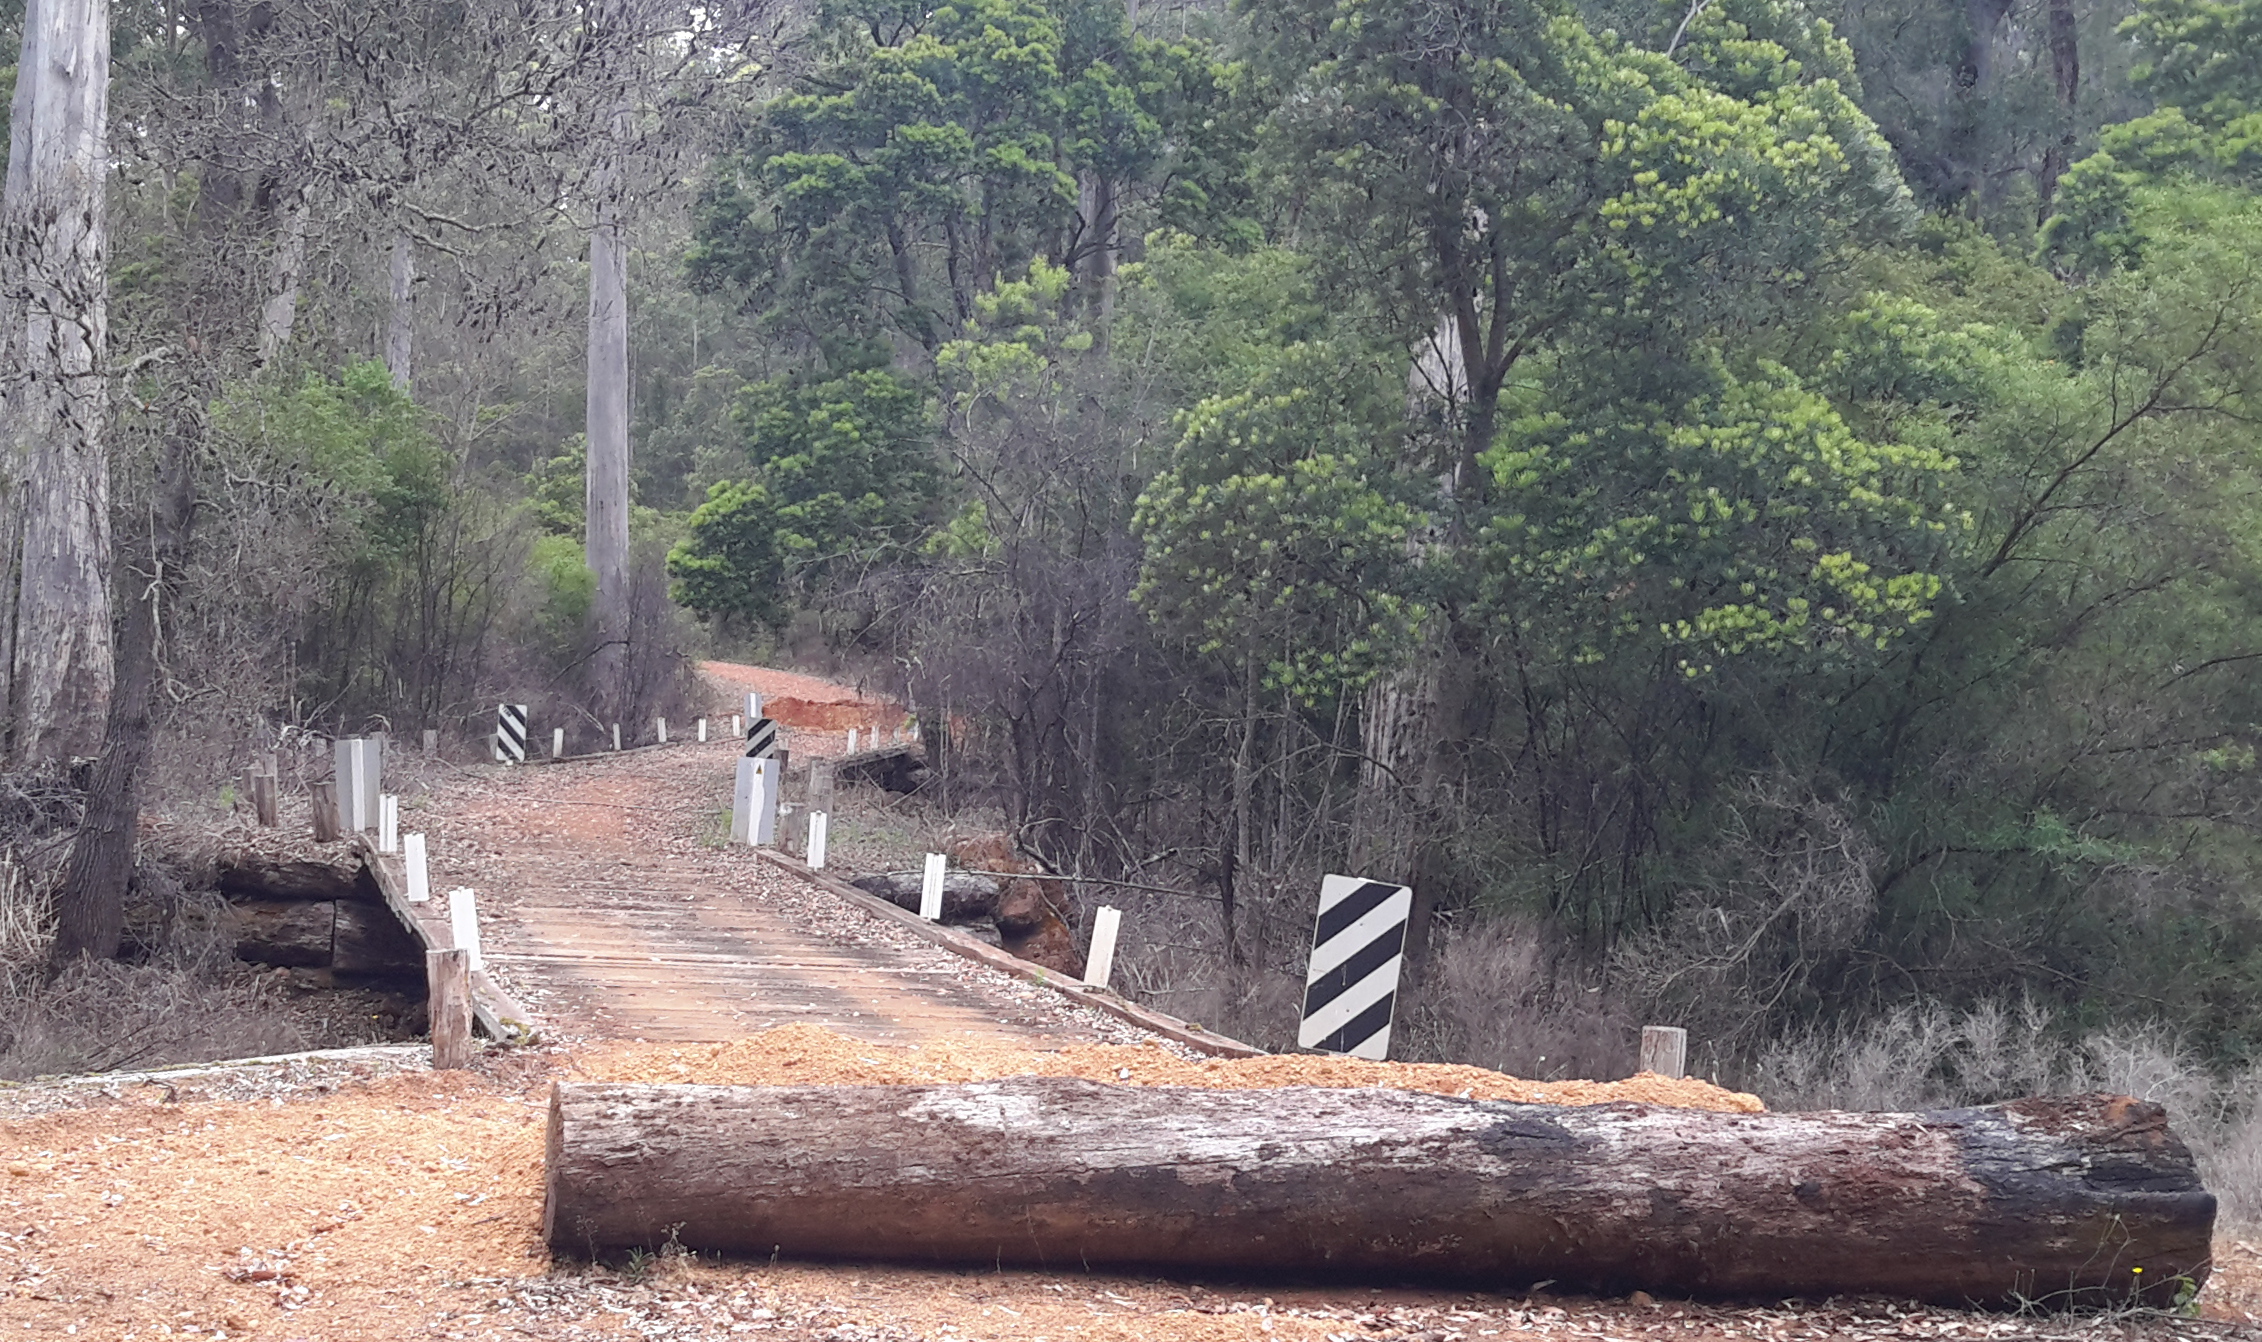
[818,823]
[914,733]
[463,922]
[662,724]
[388,823]
[616,736]
[766,789]
[930,888]
[742,803]
[557,743]
[372,778]
[348,772]
[702,731]
[852,740]
[419,876]
[737,727]
[1102,959]
[753,705]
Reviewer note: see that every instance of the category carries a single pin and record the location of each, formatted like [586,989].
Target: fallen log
[900,768]
[298,933]
[245,874]
[966,898]
[2056,1202]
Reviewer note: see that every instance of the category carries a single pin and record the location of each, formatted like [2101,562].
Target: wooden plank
[498,1013]
[981,952]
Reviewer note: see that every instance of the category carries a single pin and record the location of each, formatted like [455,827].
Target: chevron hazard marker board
[761,739]
[510,734]
[1351,988]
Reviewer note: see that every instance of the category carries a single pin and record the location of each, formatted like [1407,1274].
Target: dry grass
[1925,1056]
[188,1001]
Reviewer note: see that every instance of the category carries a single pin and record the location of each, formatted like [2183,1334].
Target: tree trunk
[400,329]
[2054,1201]
[91,904]
[279,315]
[2065,71]
[607,505]
[52,228]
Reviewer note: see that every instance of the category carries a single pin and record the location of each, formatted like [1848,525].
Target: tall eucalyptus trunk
[606,516]
[400,314]
[54,351]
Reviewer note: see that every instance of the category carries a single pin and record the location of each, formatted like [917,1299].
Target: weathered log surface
[2054,1201]
[370,940]
[247,874]
[966,898]
[298,933]
[897,768]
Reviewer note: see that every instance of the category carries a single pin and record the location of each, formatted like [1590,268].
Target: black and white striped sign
[761,739]
[1351,988]
[510,734]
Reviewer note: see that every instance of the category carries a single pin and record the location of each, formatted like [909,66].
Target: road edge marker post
[818,824]
[931,887]
[413,863]
[463,923]
[1106,923]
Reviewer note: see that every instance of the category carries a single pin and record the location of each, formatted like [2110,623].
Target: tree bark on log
[966,898]
[2055,1201]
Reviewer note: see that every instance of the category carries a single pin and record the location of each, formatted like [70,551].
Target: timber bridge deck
[611,906]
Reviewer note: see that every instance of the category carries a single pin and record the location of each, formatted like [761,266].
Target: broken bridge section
[609,907]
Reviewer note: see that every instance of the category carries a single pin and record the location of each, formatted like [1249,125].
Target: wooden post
[447,980]
[264,803]
[431,743]
[1665,1050]
[1101,961]
[324,796]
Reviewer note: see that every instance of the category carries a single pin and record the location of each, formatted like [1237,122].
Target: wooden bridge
[611,905]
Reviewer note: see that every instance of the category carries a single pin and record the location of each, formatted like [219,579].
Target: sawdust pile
[809,1055]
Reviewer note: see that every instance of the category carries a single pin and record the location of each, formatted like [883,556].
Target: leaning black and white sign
[761,739]
[510,734]
[1351,988]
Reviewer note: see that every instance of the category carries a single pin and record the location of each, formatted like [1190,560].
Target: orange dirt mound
[810,1055]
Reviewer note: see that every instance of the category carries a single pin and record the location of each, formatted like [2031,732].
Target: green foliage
[732,564]
[1273,536]
[959,132]
[843,475]
[355,433]
[557,489]
[1750,518]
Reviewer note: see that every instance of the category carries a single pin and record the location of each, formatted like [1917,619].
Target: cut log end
[2056,1203]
